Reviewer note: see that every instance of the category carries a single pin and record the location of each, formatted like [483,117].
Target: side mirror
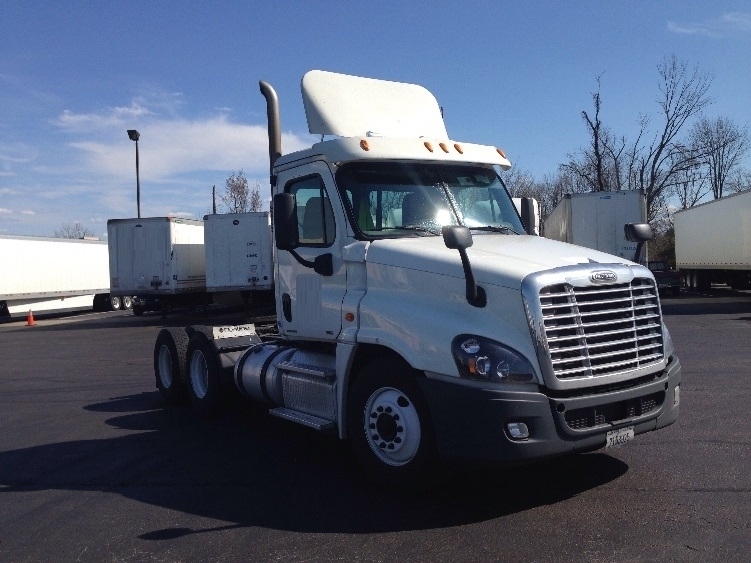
[456,236]
[459,238]
[528,215]
[639,233]
[286,235]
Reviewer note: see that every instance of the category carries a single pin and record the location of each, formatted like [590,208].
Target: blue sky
[75,75]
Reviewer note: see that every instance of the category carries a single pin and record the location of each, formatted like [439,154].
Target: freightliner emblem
[603,276]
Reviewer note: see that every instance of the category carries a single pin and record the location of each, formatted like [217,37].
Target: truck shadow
[250,469]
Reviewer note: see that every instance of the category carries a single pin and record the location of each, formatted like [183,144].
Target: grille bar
[596,331]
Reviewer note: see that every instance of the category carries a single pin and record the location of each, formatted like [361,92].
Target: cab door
[309,304]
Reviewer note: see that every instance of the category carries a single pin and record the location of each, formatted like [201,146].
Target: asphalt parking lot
[93,467]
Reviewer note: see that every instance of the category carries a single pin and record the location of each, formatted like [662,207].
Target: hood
[495,258]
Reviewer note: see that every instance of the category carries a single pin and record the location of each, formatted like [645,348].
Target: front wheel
[389,426]
[204,376]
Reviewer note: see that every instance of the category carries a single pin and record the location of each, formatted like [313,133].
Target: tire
[138,310]
[389,426]
[114,303]
[170,353]
[204,376]
[691,280]
[126,301]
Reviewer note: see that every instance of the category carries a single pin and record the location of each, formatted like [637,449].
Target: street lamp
[134,135]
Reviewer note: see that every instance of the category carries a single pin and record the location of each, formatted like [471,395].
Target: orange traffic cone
[30,319]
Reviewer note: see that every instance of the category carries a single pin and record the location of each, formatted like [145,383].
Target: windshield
[407,199]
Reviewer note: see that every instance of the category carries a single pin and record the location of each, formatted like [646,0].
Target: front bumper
[470,422]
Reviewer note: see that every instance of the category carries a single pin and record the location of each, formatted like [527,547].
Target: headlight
[486,360]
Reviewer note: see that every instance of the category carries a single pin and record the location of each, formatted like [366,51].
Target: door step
[305,419]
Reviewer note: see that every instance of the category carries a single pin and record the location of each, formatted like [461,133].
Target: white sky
[75,75]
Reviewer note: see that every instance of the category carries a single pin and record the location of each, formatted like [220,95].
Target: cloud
[27,212]
[730,22]
[4,211]
[168,147]
[17,153]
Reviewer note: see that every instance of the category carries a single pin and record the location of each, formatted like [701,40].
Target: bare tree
[238,197]
[683,96]
[235,196]
[74,230]
[721,146]
[690,186]
[739,181]
[255,203]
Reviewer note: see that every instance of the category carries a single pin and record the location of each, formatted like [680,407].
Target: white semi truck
[46,275]
[713,242]
[415,318]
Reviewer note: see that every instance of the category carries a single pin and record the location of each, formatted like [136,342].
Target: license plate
[618,437]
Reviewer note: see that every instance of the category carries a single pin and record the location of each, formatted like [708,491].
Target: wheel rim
[165,366]
[392,426]
[199,374]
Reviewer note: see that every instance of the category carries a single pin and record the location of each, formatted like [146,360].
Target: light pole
[134,135]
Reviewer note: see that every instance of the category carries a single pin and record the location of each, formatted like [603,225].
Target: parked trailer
[160,260]
[713,242]
[414,318]
[49,275]
[596,220]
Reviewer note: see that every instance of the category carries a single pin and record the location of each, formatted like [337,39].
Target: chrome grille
[595,331]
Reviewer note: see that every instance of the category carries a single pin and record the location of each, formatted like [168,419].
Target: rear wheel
[138,310]
[389,427]
[114,303]
[204,376]
[170,352]
[126,301]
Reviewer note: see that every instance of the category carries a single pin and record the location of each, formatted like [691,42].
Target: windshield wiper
[419,228]
[416,228]
[495,229]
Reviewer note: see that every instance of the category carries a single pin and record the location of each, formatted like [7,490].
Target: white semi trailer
[596,220]
[159,260]
[50,275]
[713,242]
[414,317]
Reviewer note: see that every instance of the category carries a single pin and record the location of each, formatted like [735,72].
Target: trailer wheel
[389,426]
[170,351]
[204,376]
[114,303]
[126,301]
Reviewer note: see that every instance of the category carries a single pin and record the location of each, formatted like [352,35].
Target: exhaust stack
[274,125]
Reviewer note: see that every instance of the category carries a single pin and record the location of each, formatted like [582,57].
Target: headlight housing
[483,359]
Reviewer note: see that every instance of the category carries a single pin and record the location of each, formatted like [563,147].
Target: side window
[315,217]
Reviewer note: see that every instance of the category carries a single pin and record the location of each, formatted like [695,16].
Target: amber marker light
[499,151]
[428,146]
[444,148]
[349,317]
[458,148]
[364,145]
